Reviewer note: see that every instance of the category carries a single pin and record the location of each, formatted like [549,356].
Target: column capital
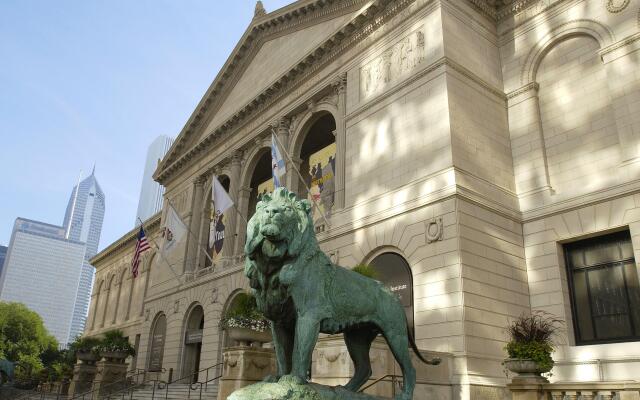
[200,180]
[236,157]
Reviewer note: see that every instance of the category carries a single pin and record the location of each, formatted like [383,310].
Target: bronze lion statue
[303,293]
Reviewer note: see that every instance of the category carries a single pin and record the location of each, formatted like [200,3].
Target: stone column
[232,217]
[203,232]
[194,226]
[241,229]
[282,126]
[341,141]
[527,141]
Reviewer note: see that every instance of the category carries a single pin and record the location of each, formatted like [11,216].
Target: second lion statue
[303,293]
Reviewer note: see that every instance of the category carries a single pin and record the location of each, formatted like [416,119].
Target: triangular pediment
[271,46]
[274,58]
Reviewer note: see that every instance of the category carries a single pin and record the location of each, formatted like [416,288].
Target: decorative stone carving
[435,230]
[393,64]
[147,312]
[334,256]
[214,295]
[616,6]
[243,366]
[176,306]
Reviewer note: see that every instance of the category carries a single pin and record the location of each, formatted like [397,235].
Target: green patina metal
[303,293]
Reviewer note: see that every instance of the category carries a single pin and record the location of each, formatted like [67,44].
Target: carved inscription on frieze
[392,65]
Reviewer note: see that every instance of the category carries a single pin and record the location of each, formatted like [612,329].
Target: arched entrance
[194,328]
[317,152]
[157,339]
[394,271]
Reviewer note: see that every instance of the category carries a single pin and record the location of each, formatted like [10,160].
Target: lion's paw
[292,379]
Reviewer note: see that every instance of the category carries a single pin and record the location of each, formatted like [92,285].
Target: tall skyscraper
[151,192]
[47,266]
[3,254]
[83,223]
[43,270]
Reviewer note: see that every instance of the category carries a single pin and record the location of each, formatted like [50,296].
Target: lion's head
[280,225]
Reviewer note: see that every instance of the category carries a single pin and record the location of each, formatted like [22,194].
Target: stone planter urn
[87,357]
[246,336]
[527,369]
[116,357]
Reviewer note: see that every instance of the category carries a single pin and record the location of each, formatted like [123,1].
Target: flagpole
[191,233]
[159,251]
[275,135]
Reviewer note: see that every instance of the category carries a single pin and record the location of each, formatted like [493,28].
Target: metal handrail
[394,380]
[161,385]
[125,381]
[198,385]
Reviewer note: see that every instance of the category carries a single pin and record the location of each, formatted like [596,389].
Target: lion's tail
[433,361]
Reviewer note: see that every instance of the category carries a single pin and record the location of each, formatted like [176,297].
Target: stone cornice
[261,29]
[370,19]
[128,239]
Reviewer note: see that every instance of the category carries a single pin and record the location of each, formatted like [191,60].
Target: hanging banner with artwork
[216,235]
[322,166]
[265,187]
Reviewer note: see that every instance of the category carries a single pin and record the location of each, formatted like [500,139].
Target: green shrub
[366,270]
[115,341]
[537,351]
[244,314]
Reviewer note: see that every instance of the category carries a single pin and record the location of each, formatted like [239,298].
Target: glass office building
[151,192]
[83,223]
[43,271]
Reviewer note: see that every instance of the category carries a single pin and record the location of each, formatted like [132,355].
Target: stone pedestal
[110,377]
[527,390]
[244,366]
[331,365]
[82,381]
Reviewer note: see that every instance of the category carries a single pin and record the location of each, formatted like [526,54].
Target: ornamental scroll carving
[393,64]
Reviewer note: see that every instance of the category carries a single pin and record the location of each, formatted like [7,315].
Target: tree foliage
[22,333]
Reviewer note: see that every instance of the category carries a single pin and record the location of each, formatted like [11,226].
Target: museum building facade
[483,155]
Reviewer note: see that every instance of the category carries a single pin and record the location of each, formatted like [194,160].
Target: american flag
[141,246]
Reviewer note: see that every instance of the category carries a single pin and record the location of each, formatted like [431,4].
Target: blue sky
[84,82]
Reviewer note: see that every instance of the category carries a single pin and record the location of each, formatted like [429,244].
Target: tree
[22,333]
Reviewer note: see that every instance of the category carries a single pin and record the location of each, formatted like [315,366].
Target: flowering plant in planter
[245,314]
[85,345]
[532,340]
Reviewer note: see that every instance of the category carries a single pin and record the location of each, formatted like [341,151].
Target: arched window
[317,153]
[157,340]
[394,271]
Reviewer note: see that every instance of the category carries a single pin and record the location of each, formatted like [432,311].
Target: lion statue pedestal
[303,294]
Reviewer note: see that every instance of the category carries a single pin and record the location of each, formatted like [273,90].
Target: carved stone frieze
[395,63]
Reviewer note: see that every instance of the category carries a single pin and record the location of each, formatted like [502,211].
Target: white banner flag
[174,229]
[277,162]
[221,200]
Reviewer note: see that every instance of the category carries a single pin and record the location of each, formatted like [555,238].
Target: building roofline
[126,239]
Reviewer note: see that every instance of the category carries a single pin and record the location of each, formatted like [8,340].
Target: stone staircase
[174,391]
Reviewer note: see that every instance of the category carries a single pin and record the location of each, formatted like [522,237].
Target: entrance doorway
[193,344]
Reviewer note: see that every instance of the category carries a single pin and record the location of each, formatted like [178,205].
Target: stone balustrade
[576,391]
